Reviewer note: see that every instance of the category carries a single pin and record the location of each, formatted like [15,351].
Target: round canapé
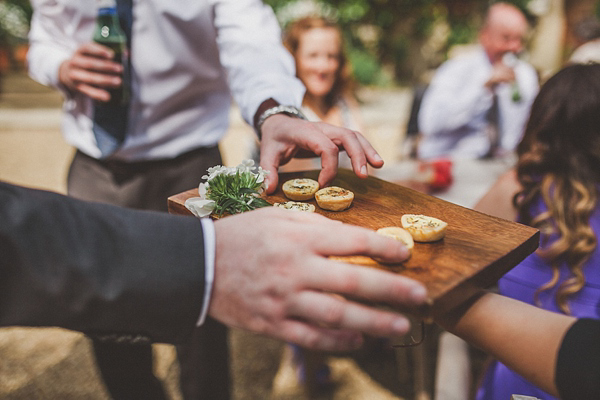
[424,228]
[300,189]
[296,206]
[334,198]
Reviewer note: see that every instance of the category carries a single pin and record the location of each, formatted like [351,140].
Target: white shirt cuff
[208,232]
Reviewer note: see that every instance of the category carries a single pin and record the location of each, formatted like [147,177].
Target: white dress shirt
[188,57]
[452,117]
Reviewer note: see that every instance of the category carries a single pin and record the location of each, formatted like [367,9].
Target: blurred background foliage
[395,40]
[14,26]
[400,41]
[388,41]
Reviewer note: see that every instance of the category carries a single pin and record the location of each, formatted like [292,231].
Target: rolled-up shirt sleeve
[56,30]
[258,66]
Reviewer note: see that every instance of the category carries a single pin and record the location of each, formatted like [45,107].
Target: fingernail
[363,170]
[400,326]
[377,157]
[418,294]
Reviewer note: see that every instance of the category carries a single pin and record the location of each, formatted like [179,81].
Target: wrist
[264,106]
[265,112]
[65,84]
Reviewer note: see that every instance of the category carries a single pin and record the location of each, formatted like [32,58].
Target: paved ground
[56,364]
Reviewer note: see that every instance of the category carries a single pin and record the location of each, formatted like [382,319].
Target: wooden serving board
[476,251]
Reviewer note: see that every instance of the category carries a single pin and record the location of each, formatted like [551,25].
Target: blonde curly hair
[559,162]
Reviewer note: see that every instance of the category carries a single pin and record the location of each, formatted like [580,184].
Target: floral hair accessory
[229,190]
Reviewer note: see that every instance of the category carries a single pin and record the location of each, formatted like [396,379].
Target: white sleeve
[516,114]
[258,65]
[208,232]
[53,38]
[454,98]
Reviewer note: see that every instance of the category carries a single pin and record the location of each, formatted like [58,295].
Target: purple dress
[499,382]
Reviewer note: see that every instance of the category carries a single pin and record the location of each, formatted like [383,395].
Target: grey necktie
[493,126]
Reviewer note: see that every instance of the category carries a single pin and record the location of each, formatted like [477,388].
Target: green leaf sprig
[234,194]
[230,190]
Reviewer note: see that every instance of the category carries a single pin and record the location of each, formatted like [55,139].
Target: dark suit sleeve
[103,270]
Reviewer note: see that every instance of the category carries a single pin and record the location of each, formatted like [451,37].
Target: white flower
[202,190]
[261,175]
[216,171]
[246,166]
[200,207]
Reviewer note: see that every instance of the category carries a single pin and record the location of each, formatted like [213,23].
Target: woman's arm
[525,338]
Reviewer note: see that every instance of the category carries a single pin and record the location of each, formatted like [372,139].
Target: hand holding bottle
[92,71]
[510,60]
[99,69]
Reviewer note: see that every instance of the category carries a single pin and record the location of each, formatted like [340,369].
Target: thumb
[272,177]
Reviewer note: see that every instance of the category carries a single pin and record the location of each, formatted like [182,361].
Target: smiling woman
[321,64]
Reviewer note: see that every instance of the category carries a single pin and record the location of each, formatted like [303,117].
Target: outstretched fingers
[366,283]
[335,312]
[312,336]
[348,240]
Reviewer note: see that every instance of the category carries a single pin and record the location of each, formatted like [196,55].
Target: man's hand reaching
[283,137]
[273,277]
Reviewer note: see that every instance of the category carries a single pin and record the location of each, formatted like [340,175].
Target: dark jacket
[113,273]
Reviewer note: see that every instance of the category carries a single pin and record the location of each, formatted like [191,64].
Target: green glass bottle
[108,32]
[511,60]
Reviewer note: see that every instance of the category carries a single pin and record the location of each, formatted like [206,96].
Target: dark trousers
[127,370]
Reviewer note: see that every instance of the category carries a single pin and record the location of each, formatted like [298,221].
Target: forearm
[49,44]
[523,337]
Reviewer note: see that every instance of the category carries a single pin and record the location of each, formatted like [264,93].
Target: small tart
[395,232]
[334,198]
[300,189]
[424,228]
[296,206]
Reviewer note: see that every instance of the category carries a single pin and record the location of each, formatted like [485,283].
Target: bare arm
[523,337]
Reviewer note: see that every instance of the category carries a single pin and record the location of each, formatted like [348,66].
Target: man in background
[477,104]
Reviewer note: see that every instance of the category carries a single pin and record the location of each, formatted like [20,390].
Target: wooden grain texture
[476,251]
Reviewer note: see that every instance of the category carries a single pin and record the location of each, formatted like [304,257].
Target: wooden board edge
[465,290]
